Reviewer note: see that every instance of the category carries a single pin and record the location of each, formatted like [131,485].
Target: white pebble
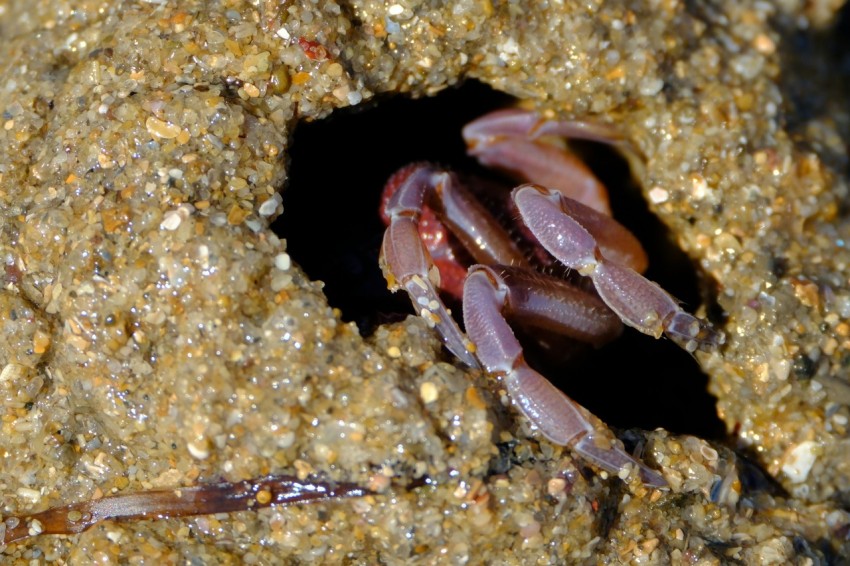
[170,220]
[650,86]
[286,440]
[658,195]
[254,225]
[509,47]
[282,261]
[800,461]
[199,451]
[27,493]
[270,206]
[354,97]
[428,392]
[35,528]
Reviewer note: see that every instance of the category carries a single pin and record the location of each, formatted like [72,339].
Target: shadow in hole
[815,68]
[338,169]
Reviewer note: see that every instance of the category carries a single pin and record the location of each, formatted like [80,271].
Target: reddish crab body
[564,211]
[433,234]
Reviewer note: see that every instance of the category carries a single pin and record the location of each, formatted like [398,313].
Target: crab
[564,210]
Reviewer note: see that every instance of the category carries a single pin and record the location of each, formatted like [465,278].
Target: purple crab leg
[546,165]
[486,297]
[203,499]
[518,123]
[407,264]
[511,140]
[546,302]
[615,241]
[506,140]
[574,234]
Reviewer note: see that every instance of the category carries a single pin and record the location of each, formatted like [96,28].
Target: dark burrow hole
[338,168]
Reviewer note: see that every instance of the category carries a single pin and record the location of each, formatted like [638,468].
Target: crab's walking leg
[513,140]
[486,297]
[580,238]
[407,264]
[546,165]
[505,140]
[518,123]
[549,303]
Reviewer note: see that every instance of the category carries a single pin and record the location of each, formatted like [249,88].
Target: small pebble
[428,392]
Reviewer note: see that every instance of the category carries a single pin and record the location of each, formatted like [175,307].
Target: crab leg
[548,303]
[511,140]
[574,234]
[547,165]
[506,140]
[518,123]
[486,298]
[407,264]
